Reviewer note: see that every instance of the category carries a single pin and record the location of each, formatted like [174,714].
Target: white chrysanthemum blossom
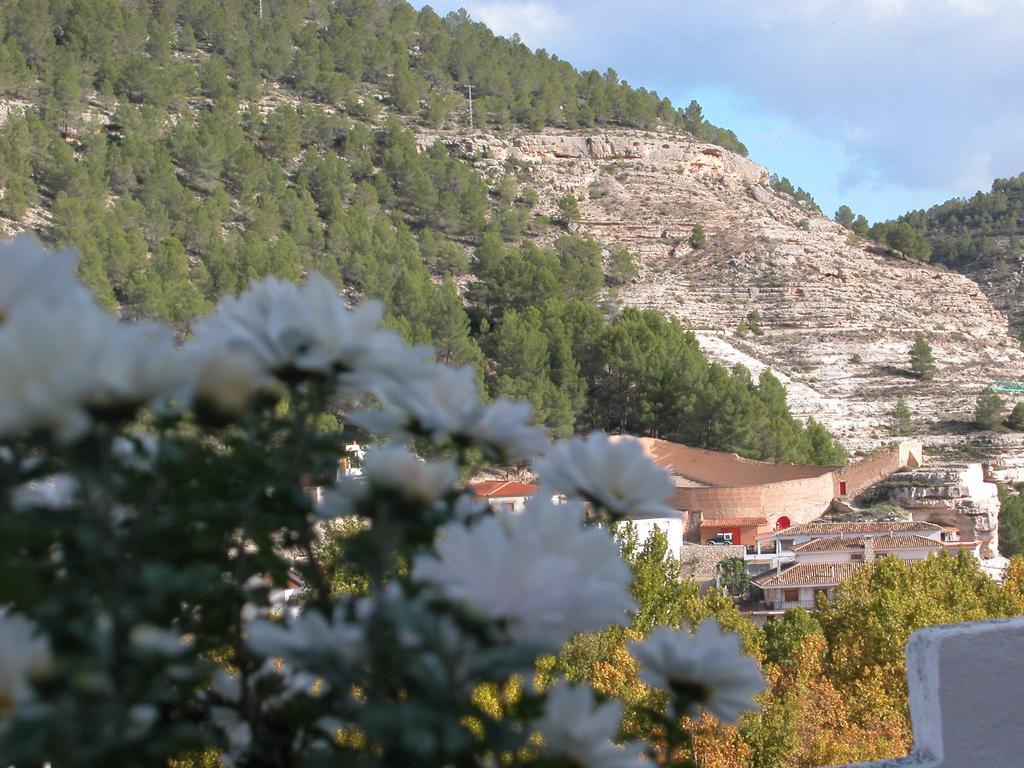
[225,381]
[706,670]
[574,728]
[24,654]
[159,641]
[309,632]
[50,356]
[53,493]
[543,573]
[31,272]
[394,470]
[227,690]
[504,432]
[615,475]
[137,365]
[442,402]
[65,364]
[309,330]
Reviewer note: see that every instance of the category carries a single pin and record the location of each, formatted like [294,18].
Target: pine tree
[569,209]
[901,419]
[922,360]
[844,216]
[988,410]
[1015,420]
[698,238]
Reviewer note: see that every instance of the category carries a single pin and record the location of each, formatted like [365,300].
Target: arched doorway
[782,523]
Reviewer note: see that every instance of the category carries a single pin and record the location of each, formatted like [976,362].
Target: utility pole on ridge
[470,87]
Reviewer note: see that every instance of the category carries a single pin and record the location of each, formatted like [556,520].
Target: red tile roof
[810,575]
[489,489]
[878,526]
[727,522]
[881,543]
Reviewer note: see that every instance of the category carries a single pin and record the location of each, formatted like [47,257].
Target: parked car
[720,540]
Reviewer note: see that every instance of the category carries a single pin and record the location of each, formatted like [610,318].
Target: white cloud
[920,94]
[529,20]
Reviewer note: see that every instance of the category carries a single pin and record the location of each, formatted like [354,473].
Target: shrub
[901,419]
[1015,420]
[568,209]
[922,360]
[988,410]
[698,238]
[173,590]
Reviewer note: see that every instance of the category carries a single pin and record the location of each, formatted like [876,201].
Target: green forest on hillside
[982,231]
[968,231]
[238,149]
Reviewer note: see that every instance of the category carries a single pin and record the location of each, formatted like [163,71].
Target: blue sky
[886,105]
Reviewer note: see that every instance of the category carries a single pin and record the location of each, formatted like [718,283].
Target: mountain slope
[186,149]
[836,319]
[981,237]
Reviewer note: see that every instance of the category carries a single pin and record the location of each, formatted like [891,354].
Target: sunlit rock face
[950,494]
[837,315]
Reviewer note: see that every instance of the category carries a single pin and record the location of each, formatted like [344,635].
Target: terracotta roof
[700,561]
[875,526]
[489,489]
[881,543]
[723,522]
[810,575]
[715,468]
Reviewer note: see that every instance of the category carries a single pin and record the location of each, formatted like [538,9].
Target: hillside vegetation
[187,148]
[979,236]
[981,231]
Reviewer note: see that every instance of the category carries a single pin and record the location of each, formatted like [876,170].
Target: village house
[504,495]
[809,561]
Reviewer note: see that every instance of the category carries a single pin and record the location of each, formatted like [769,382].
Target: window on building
[508,506]
[823,593]
[790,595]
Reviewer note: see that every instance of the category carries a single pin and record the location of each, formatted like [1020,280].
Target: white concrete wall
[672,527]
[500,503]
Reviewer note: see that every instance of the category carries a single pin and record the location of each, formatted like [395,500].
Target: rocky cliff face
[837,317]
[949,494]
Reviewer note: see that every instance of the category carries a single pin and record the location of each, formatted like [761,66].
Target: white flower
[504,431]
[542,572]
[395,470]
[707,669]
[286,328]
[442,402]
[309,632]
[31,272]
[614,475]
[53,492]
[65,364]
[225,380]
[158,640]
[138,452]
[24,654]
[136,364]
[573,727]
[50,355]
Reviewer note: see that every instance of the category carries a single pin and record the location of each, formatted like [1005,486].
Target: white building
[808,561]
